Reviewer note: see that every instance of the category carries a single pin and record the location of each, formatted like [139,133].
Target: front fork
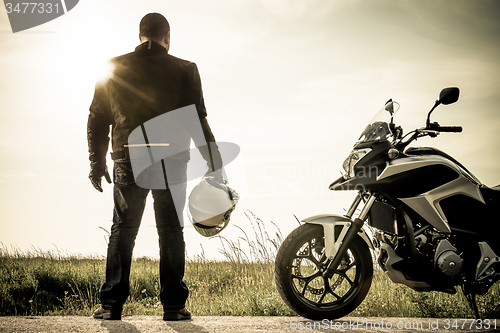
[352,232]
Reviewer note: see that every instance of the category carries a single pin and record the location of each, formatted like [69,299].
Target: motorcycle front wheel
[298,274]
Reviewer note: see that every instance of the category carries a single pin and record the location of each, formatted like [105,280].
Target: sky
[291,82]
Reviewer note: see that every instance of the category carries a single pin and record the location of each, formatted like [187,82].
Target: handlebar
[439,128]
[432,130]
[453,129]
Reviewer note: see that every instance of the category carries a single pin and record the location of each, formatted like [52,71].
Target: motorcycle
[430,223]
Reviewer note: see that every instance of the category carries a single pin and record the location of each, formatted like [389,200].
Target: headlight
[348,165]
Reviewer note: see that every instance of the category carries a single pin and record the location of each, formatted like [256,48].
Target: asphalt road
[153,324]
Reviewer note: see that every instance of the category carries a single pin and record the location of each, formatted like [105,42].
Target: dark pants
[129,203]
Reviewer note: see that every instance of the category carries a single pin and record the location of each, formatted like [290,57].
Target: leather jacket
[144,84]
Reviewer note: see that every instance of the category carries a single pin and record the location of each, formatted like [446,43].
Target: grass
[51,283]
[42,284]
[386,299]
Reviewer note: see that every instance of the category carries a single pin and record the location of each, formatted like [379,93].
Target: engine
[446,259]
[445,256]
[438,265]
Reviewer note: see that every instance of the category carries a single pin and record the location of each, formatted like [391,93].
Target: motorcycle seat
[496,188]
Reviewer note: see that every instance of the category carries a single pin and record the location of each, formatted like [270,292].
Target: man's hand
[97,170]
[217,174]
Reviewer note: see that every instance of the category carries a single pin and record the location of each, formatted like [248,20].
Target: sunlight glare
[88,58]
[103,70]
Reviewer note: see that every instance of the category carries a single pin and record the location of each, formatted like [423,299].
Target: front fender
[329,223]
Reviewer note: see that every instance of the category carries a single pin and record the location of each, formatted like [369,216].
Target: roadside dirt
[153,324]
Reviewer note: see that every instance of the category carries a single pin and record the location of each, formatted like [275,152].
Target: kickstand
[471,298]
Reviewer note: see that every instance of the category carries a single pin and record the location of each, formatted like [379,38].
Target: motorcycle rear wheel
[298,270]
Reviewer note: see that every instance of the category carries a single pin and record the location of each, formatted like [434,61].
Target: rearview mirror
[389,107]
[448,95]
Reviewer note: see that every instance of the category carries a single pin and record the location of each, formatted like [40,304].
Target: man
[145,84]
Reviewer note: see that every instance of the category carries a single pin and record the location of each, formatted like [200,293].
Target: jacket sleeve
[98,125]
[208,149]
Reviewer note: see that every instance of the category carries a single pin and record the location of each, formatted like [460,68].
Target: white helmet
[210,206]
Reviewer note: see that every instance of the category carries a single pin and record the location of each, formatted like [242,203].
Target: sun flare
[82,62]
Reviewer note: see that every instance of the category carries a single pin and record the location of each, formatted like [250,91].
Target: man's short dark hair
[153,26]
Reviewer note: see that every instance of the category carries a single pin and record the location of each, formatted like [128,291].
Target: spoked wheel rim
[308,283]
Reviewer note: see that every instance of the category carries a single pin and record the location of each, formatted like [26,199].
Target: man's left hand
[97,171]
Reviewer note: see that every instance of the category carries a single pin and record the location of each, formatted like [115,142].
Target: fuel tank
[435,186]
[425,181]
[443,192]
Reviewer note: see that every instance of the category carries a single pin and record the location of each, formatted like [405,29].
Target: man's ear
[167,39]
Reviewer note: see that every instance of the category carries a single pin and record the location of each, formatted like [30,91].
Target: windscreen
[378,128]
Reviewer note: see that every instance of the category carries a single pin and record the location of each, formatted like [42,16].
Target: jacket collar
[150,48]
